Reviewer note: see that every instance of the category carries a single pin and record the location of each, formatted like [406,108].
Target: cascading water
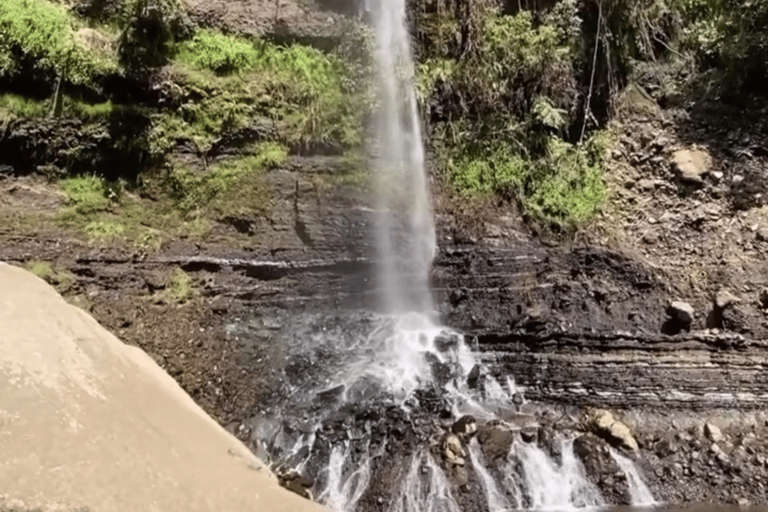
[639,494]
[405,231]
[371,415]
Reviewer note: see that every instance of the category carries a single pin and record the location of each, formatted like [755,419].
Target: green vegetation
[729,35]
[150,29]
[515,110]
[515,103]
[233,187]
[87,194]
[312,96]
[180,288]
[42,37]
[13,106]
[61,279]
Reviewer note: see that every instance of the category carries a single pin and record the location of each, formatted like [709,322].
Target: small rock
[623,434]
[529,435]
[646,185]
[713,432]
[724,298]
[762,234]
[603,424]
[466,426]
[453,451]
[496,441]
[651,238]
[681,311]
[691,165]
[461,477]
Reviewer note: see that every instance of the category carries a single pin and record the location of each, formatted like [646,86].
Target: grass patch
[87,194]
[41,36]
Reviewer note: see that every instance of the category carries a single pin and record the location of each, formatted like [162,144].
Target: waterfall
[369,406]
[405,231]
[639,494]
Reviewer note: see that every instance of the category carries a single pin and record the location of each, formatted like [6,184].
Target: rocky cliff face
[657,310]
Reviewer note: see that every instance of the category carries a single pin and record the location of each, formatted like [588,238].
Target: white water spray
[425,488]
[639,494]
[405,229]
[553,486]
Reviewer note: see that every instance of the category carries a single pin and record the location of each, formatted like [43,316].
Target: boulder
[453,450]
[465,427]
[603,424]
[495,440]
[713,432]
[681,312]
[725,298]
[691,165]
[89,422]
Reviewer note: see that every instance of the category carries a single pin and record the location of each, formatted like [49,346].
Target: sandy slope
[88,421]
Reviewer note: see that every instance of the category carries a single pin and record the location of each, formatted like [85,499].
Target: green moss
[219,53]
[309,94]
[42,269]
[105,230]
[87,111]
[41,35]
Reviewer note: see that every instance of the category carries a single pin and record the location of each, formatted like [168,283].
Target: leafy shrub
[562,188]
[729,34]
[40,36]
[566,187]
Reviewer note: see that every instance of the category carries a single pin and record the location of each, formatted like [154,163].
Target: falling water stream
[377,390]
[405,231]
